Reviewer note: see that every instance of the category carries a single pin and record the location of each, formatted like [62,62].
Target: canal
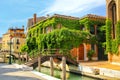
[69,76]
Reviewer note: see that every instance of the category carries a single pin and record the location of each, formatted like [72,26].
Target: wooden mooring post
[51,66]
[63,68]
[4,59]
[39,63]
[19,58]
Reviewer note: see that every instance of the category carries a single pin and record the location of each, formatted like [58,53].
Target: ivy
[86,22]
[108,35]
[118,32]
[112,44]
[68,37]
[114,47]
[61,39]
[24,48]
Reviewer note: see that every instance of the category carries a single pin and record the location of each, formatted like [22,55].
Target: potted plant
[90,54]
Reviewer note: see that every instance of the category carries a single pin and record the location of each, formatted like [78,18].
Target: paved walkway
[101,64]
[108,71]
[10,72]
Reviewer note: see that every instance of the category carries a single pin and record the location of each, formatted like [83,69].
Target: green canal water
[69,76]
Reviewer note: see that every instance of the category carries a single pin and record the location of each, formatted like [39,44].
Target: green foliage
[118,32]
[62,39]
[86,22]
[108,35]
[68,23]
[31,43]
[24,48]
[90,54]
[112,44]
[90,23]
[66,38]
[56,39]
[114,47]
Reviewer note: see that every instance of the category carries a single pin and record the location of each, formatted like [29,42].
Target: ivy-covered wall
[112,44]
[67,37]
[108,36]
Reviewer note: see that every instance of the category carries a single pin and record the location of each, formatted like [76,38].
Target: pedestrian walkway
[100,69]
[101,64]
[10,72]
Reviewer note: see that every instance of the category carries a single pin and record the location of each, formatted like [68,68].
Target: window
[17,47]
[112,14]
[114,18]
[49,29]
[59,26]
[17,42]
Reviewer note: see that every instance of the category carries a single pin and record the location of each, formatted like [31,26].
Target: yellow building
[16,37]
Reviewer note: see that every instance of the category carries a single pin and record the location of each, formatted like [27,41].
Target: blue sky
[15,13]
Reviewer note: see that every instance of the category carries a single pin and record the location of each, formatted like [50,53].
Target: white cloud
[72,6]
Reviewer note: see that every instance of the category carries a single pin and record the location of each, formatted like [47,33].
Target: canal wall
[99,72]
[109,72]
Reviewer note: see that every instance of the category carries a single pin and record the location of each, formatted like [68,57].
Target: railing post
[4,57]
[39,63]
[63,68]
[51,66]
[19,60]
[26,57]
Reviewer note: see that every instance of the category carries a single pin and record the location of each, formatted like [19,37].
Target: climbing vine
[61,39]
[112,44]
[68,37]
[108,35]
[118,32]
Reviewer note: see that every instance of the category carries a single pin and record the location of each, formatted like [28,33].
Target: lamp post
[10,61]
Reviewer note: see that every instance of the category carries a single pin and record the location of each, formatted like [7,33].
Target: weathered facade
[113,13]
[16,37]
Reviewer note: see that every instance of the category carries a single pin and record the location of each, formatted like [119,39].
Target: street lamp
[10,43]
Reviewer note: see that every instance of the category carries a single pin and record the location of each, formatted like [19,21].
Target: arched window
[113,18]
[113,15]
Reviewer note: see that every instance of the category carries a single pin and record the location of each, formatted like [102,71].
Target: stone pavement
[105,70]
[10,72]
[101,64]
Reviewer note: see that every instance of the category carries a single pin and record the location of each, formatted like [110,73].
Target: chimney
[23,27]
[34,18]
[48,16]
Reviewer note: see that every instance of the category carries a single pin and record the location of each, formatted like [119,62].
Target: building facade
[79,53]
[15,37]
[113,13]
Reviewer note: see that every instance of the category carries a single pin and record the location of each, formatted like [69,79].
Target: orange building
[82,51]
